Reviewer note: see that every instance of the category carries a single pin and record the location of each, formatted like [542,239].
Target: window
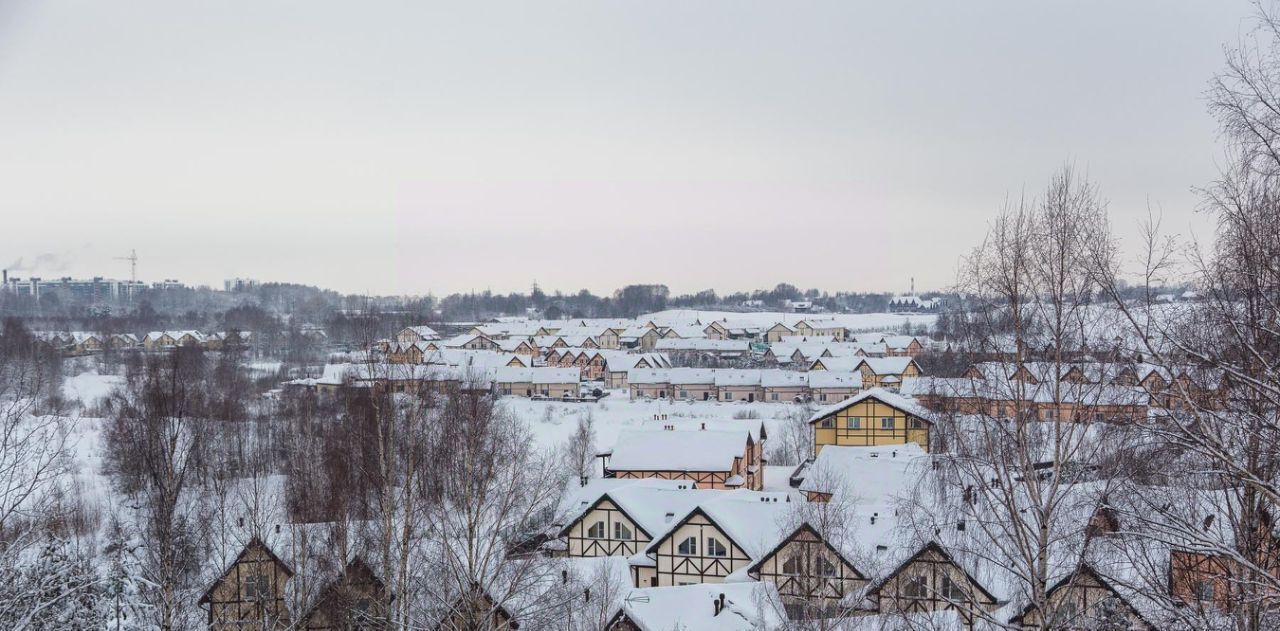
[715,548]
[1064,613]
[620,531]
[256,587]
[728,396]
[822,397]
[688,547]
[791,567]
[827,423]
[596,531]
[915,587]
[854,423]
[951,590]
[684,394]
[886,422]
[773,396]
[1204,590]
[824,567]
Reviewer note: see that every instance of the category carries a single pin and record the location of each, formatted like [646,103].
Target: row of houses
[646,335]
[676,535]
[685,511]
[827,380]
[540,382]
[87,342]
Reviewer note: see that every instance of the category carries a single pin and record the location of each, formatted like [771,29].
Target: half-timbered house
[357,599]
[711,458]
[811,576]
[931,580]
[1082,600]
[873,417]
[250,594]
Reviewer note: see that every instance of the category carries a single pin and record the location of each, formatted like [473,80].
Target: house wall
[893,596]
[677,569]
[694,391]
[581,545]
[836,429]
[232,606]
[809,584]
[1080,603]
[740,393]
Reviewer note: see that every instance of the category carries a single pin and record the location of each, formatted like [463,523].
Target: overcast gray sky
[407,147]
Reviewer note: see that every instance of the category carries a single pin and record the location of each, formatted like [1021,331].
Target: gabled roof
[891,399]
[933,546]
[752,520]
[748,606]
[645,501]
[683,450]
[353,567]
[1086,570]
[255,541]
[805,527]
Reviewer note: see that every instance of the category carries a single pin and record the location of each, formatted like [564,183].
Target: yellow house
[871,418]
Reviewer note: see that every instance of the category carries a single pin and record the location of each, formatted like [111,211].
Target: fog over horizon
[416,147]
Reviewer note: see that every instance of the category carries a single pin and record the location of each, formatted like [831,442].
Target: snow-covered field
[89,387]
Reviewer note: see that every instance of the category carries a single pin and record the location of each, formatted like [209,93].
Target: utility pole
[133,270]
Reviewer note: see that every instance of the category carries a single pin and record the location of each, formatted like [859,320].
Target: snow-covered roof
[833,379]
[506,374]
[886,397]
[423,331]
[875,475]
[702,344]
[678,450]
[755,520]
[748,607]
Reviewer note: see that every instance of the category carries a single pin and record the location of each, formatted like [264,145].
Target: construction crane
[133,270]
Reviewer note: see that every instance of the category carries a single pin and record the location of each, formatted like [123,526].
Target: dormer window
[256,587]
[715,548]
[952,591]
[791,566]
[825,567]
[916,587]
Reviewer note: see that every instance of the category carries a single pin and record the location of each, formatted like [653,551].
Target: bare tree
[496,493]
[580,453]
[1219,498]
[1025,465]
[156,447]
